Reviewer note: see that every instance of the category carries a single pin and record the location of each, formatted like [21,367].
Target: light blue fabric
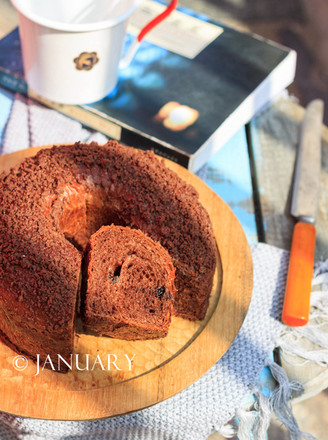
[6,101]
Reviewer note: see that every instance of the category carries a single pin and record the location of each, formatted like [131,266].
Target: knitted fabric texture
[32,124]
[210,402]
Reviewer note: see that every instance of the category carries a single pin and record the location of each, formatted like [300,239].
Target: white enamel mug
[72,48]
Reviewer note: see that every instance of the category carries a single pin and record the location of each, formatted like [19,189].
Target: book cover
[190,87]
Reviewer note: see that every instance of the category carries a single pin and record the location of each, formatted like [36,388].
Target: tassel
[245,421]
[262,423]
[227,431]
[254,424]
[280,401]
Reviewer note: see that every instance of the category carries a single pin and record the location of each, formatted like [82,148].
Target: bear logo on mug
[86,60]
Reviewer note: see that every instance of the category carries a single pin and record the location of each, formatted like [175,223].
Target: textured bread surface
[128,285]
[52,203]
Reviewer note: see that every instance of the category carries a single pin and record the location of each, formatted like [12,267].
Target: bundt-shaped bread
[128,285]
[53,202]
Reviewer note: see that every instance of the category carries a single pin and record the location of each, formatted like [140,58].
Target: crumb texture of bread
[128,287]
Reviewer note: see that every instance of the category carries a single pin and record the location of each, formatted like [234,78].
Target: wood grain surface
[159,368]
[274,135]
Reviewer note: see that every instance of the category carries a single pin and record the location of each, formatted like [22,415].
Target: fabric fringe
[280,402]
[315,332]
[253,425]
[245,421]
[263,406]
[227,431]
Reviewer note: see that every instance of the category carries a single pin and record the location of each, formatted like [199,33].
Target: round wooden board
[110,385]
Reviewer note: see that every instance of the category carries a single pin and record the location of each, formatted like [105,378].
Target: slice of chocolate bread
[128,287]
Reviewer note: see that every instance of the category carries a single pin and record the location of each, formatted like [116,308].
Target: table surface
[253,171]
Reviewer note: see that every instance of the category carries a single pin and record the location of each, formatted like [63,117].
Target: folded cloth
[304,350]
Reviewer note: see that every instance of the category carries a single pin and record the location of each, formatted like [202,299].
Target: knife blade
[304,207]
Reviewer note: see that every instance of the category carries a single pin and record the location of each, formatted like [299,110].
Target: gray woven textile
[209,403]
[32,124]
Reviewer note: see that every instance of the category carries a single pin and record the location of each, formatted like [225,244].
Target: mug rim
[72,27]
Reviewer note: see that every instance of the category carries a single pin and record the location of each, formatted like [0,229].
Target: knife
[304,207]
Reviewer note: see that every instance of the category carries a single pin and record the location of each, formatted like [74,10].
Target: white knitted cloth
[31,124]
[209,403]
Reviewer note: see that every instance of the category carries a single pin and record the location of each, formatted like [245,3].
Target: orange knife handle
[296,308]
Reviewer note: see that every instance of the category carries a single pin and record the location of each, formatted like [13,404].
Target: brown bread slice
[128,288]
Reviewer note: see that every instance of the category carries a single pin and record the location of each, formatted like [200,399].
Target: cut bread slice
[128,288]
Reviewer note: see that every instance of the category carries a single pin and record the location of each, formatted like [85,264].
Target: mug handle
[144,31]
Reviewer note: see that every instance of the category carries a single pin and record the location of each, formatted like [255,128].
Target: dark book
[190,87]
